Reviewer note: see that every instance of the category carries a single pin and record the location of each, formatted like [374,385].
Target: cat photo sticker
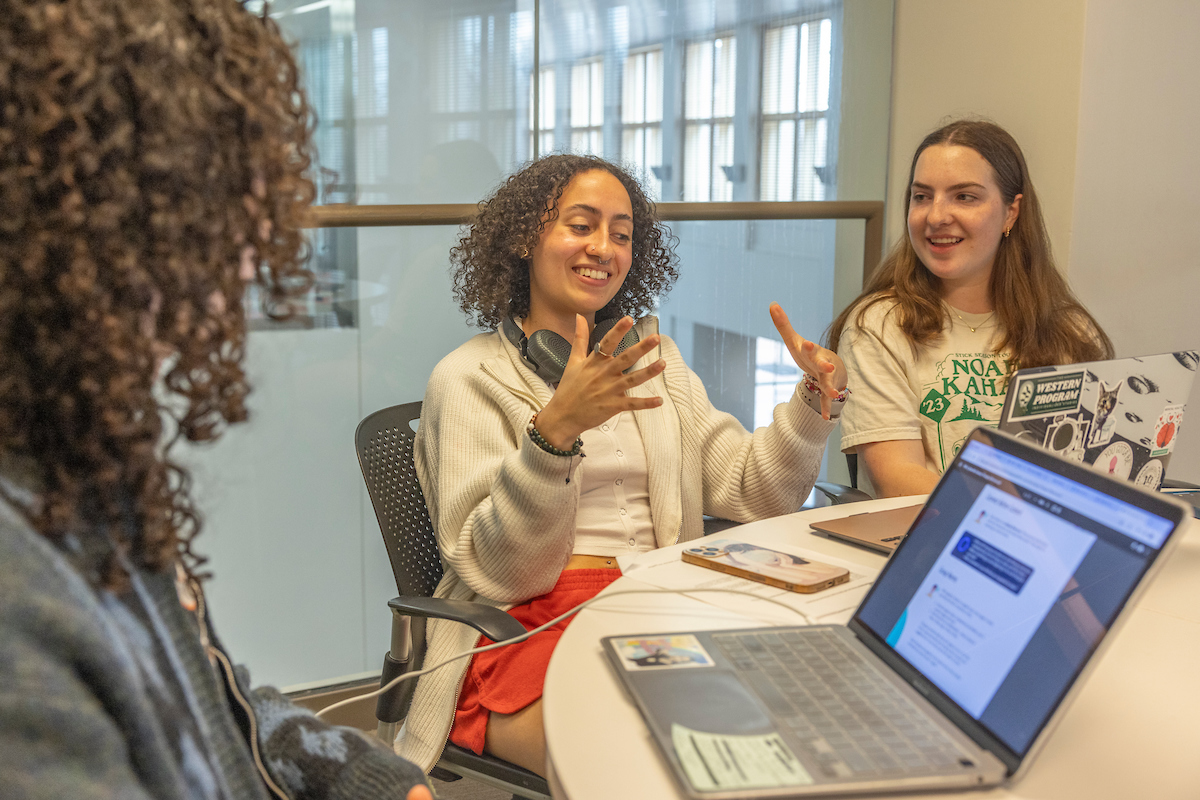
[1104,422]
[657,652]
[1166,430]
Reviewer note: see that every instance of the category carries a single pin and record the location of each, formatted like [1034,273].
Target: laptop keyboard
[853,721]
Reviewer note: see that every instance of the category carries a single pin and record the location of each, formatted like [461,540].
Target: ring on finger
[597,349]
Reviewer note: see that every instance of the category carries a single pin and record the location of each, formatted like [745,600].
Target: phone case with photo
[781,570]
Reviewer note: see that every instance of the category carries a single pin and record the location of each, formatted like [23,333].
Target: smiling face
[583,255]
[957,216]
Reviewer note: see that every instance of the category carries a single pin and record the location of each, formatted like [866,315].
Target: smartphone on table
[781,570]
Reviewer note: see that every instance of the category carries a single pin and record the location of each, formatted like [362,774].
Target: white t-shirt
[938,394]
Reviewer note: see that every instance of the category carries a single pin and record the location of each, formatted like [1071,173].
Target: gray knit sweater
[130,696]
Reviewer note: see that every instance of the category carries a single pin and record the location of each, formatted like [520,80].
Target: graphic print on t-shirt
[968,388]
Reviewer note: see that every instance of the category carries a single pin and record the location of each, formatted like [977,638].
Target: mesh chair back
[384,441]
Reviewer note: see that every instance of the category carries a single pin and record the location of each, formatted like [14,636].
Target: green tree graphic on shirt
[966,387]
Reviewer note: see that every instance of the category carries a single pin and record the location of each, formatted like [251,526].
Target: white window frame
[708,118]
[801,116]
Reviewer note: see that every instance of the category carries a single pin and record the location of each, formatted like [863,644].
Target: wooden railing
[376,216]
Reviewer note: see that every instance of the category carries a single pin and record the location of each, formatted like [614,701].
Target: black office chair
[384,441]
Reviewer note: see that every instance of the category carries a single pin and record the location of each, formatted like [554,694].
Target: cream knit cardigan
[504,511]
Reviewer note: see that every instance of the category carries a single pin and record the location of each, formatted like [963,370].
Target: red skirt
[507,679]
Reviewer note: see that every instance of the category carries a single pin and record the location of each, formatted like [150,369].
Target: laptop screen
[1008,581]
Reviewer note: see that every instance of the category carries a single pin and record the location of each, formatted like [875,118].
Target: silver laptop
[952,672]
[1121,416]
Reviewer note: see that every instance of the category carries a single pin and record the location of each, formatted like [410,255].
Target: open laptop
[1121,416]
[955,667]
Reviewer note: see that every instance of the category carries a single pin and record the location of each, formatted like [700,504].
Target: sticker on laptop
[1166,430]
[1065,437]
[726,762]
[656,652]
[1104,420]
[1116,460]
[1040,396]
[1150,475]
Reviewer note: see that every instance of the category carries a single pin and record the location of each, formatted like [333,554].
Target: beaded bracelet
[541,442]
[811,384]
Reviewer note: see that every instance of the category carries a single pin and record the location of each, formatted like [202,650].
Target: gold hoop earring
[1006,230]
[525,250]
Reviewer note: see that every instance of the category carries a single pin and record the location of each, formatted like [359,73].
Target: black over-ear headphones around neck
[546,353]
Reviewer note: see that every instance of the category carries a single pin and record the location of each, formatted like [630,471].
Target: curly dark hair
[491,262]
[150,152]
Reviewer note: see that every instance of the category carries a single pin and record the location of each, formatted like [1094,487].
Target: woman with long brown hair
[153,160]
[970,294]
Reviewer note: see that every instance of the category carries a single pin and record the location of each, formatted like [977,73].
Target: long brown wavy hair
[150,151]
[491,260]
[1040,319]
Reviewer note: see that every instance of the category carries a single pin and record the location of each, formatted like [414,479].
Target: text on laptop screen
[1009,580]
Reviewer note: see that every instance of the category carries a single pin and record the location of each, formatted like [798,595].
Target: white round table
[1133,731]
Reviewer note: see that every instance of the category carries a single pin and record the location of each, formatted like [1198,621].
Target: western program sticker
[1042,395]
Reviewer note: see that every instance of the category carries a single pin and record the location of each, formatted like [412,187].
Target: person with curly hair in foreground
[153,159]
[557,263]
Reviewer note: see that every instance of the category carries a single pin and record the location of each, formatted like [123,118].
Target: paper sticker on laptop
[716,762]
[1166,430]
[1065,437]
[1150,475]
[1104,418]
[1042,395]
[656,652]
[1116,460]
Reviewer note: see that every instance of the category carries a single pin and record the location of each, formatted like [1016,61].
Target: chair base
[493,772]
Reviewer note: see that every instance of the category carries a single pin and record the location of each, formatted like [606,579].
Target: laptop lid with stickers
[1120,416]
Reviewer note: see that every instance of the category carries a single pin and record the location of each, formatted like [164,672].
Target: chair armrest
[717,524]
[493,623]
[840,494]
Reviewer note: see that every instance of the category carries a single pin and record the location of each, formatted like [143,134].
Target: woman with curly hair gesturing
[153,159]
[558,261]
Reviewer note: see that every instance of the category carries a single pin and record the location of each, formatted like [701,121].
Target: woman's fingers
[638,377]
[641,403]
[782,323]
[594,385]
[635,353]
[579,345]
[795,342]
[823,364]
[612,339]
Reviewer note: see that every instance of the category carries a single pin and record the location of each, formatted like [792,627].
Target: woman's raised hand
[822,364]
[593,384]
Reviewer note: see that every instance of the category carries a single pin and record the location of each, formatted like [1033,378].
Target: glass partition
[430,103]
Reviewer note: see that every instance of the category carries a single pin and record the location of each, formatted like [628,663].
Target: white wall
[1017,63]
[1104,99]
[1135,246]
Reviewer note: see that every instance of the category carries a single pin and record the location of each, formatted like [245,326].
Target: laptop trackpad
[710,700]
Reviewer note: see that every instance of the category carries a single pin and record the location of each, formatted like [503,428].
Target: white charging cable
[516,639]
